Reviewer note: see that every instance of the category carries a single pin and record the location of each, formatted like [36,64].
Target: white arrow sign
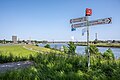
[82,19]
[100,21]
[94,22]
[79,25]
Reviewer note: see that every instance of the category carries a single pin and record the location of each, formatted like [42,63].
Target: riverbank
[44,66]
[101,45]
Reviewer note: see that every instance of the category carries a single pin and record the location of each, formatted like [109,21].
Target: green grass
[16,51]
[13,53]
[42,50]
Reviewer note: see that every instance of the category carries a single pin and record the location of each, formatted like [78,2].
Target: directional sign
[94,22]
[100,21]
[82,19]
[79,25]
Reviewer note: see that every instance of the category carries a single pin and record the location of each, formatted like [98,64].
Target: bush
[36,45]
[93,50]
[47,46]
[71,48]
[109,54]
[65,49]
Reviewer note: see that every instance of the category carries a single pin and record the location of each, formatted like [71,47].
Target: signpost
[84,22]
[79,25]
[82,19]
[93,22]
[100,21]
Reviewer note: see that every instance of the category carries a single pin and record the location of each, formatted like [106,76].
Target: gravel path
[30,49]
[14,65]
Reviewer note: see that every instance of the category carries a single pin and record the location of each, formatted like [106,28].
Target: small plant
[71,48]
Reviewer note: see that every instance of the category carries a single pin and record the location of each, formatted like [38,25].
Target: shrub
[93,50]
[108,54]
[47,46]
[36,45]
[71,48]
[65,49]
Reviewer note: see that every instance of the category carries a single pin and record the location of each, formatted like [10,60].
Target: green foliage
[65,49]
[93,50]
[47,46]
[54,66]
[108,54]
[16,50]
[61,67]
[71,48]
[11,58]
[36,45]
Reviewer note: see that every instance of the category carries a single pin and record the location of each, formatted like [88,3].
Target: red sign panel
[88,12]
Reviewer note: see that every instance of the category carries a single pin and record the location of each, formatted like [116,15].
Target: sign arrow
[109,20]
[93,22]
[82,19]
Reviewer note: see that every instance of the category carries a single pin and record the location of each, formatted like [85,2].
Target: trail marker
[84,22]
[93,22]
[82,19]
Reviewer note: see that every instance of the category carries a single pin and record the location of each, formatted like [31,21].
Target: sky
[50,19]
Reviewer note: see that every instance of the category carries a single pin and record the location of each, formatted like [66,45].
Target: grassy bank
[13,53]
[16,51]
[24,50]
[59,66]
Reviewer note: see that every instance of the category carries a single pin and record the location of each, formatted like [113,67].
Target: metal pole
[88,42]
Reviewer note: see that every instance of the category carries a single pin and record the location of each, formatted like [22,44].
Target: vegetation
[71,48]
[65,49]
[109,54]
[16,51]
[47,46]
[63,67]
[41,49]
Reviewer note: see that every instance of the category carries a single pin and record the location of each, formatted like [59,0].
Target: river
[81,49]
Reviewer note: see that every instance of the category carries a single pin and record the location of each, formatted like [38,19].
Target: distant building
[14,39]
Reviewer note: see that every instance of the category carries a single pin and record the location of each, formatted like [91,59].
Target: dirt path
[14,65]
[30,49]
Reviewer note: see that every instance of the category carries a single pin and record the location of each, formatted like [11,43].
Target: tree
[95,55]
[113,41]
[108,54]
[95,41]
[47,46]
[71,48]
[93,50]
